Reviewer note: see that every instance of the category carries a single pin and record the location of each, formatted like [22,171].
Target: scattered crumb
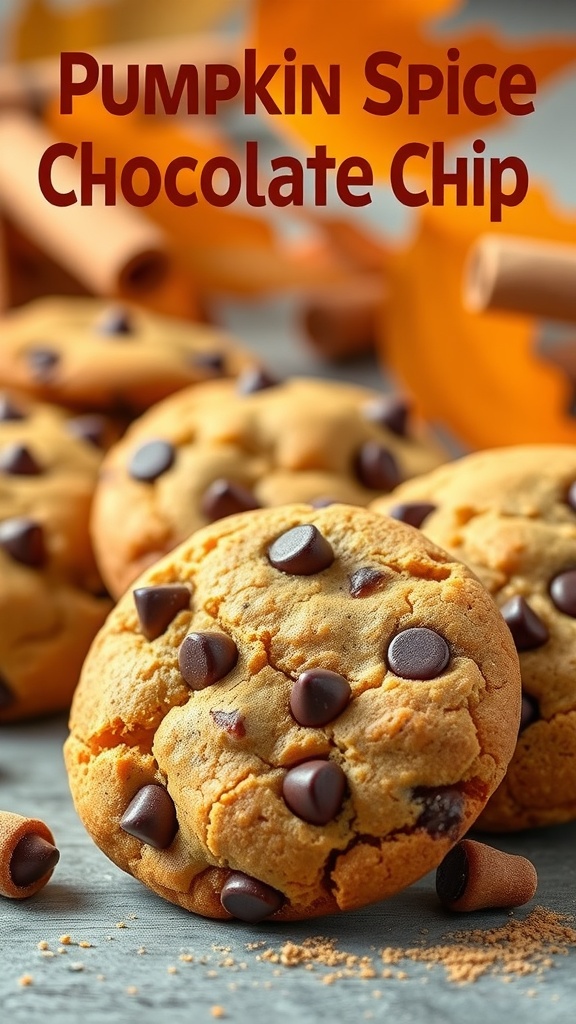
[131,990]
[132,917]
[100,977]
[142,950]
[186,958]
[121,924]
[62,949]
[42,944]
[218,1012]
[85,945]
[65,940]
[76,966]
[47,953]
[171,969]
[26,980]
[211,974]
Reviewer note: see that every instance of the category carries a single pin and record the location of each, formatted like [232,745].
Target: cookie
[227,447]
[86,354]
[52,601]
[297,711]
[510,514]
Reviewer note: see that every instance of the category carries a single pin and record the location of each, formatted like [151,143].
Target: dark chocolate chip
[366,581]
[563,592]
[452,875]
[23,540]
[443,811]
[213,362]
[318,696]
[249,900]
[314,791]
[205,658]
[301,551]
[225,498]
[151,817]
[376,467]
[18,460]
[412,512]
[231,722]
[390,411]
[91,428]
[114,321]
[254,379]
[530,711]
[42,362]
[32,859]
[157,607]
[7,698]
[570,497]
[151,460]
[528,630]
[418,653]
[9,410]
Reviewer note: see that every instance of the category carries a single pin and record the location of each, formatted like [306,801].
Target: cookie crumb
[186,958]
[131,990]
[142,950]
[42,944]
[76,966]
[218,1012]
[26,980]
[171,969]
[85,945]
[121,924]
[65,940]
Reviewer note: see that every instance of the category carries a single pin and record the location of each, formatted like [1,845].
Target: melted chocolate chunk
[563,592]
[32,859]
[114,321]
[301,551]
[418,653]
[7,698]
[318,696]
[412,512]
[366,581]
[529,713]
[391,412]
[23,540]
[18,460]
[231,722]
[376,467]
[249,900]
[443,811]
[151,817]
[151,460]
[205,658]
[158,606]
[225,498]
[42,362]
[91,428]
[528,630]
[254,379]
[9,410]
[452,875]
[314,791]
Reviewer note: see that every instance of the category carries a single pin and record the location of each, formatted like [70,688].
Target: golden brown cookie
[87,354]
[297,711]
[229,446]
[52,601]
[510,514]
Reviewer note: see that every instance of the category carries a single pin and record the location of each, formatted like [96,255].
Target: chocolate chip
[418,653]
[390,411]
[249,900]
[23,540]
[91,428]
[570,497]
[151,460]
[151,817]
[376,467]
[9,410]
[314,791]
[113,321]
[42,362]
[443,810]
[563,592]
[301,551]
[366,581]
[214,362]
[205,658]
[18,460]
[412,512]
[32,858]
[224,498]
[157,607]
[452,875]
[7,698]
[254,379]
[231,722]
[318,696]
[530,711]
[528,630]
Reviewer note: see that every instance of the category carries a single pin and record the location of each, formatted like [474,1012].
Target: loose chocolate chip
[254,380]
[314,791]
[9,410]
[452,875]
[18,460]
[529,713]
[418,653]
[366,581]
[563,592]
[32,858]
[249,900]
[231,722]
[23,540]
[42,362]
[443,810]
[151,460]
[318,696]
[528,630]
[214,362]
[113,321]
[205,658]
[151,817]
[570,497]
[90,428]
[157,607]
[376,467]
[390,411]
[301,551]
[412,512]
[6,696]
[224,498]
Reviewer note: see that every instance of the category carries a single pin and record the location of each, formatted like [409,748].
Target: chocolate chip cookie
[86,354]
[510,514]
[297,711]
[52,600]
[228,447]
